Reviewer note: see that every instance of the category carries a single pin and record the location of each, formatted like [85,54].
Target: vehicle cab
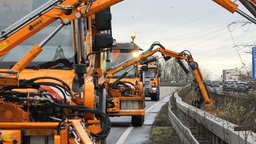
[125,87]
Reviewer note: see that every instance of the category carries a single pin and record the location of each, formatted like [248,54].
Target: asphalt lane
[123,133]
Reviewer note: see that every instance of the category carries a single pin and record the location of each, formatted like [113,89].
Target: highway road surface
[123,133]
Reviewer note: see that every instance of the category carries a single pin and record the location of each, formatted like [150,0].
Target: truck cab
[125,87]
[150,75]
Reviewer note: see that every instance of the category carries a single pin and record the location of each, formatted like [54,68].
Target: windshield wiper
[29,67]
[65,64]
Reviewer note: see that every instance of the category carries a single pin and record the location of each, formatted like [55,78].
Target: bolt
[65,20]
[78,15]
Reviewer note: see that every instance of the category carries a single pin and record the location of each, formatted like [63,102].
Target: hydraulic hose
[156,43]
[182,66]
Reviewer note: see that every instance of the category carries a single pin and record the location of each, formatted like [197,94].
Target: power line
[167,29]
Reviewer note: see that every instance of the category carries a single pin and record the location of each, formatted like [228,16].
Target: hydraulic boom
[233,7]
[167,54]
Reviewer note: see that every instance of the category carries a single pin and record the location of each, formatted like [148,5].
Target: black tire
[138,120]
[103,141]
[102,100]
[155,97]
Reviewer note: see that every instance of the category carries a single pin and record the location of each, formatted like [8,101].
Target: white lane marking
[157,103]
[123,137]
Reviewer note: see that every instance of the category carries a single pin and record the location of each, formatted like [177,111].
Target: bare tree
[171,71]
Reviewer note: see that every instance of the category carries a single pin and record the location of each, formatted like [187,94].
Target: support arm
[233,7]
[167,54]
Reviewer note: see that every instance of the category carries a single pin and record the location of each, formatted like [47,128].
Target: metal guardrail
[172,84]
[222,131]
[183,132]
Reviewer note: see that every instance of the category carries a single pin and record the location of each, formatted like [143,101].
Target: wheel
[155,97]
[103,141]
[138,120]
[103,100]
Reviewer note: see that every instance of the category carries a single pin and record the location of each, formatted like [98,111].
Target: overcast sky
[204,28]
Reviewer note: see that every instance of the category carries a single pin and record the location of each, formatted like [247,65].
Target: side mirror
[159,73]
[103,19]
[102,40]
[78,80]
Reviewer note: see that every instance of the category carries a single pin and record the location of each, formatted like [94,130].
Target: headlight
[154,88]
[135,54]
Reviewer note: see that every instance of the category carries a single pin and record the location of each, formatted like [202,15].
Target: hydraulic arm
[167,54]
[233,7]
[66,11]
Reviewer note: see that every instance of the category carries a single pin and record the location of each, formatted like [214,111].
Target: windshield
[59,47]
[150,73]
[119,56]
[131,73]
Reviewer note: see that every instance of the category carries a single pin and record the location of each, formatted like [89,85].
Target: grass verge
[162,131]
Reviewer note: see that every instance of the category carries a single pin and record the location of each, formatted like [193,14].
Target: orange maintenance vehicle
[150,74]
[50,64]
[124,88]
[127,94]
